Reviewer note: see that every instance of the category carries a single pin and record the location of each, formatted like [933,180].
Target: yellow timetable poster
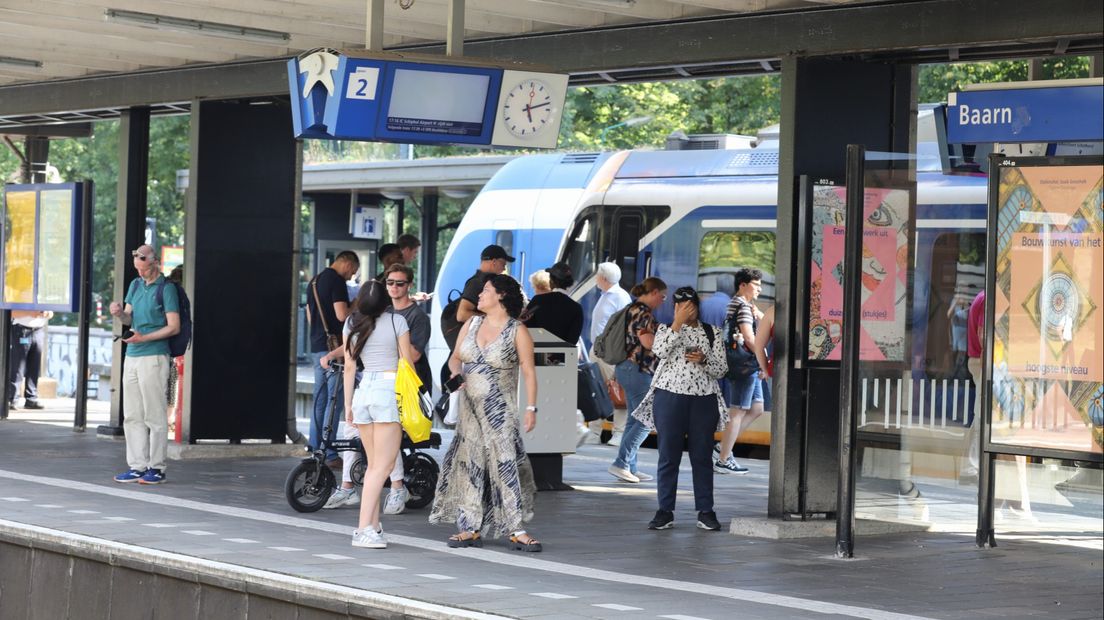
[19,248]
[1048,359]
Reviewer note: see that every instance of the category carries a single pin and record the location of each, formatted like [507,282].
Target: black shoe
[32,404]
[662,520]
[11,406]
[708,521]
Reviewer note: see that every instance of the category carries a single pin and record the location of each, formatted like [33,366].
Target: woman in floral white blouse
[685,402]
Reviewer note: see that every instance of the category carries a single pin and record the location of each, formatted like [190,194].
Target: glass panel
[924,258]
[55,238]
[581,249]
[724,252]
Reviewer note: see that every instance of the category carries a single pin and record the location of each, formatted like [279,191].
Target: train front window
[581,251]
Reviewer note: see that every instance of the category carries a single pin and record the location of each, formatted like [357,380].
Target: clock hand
[539,105]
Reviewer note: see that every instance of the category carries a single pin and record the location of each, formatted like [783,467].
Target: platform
[225,523]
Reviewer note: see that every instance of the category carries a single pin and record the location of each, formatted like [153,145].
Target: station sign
[40,245]
[419,100]
[1071,111]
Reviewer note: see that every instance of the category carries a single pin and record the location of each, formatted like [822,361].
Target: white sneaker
[643,477]
[622,474]
[729,466]
[343,497]
[614,440]
[396,501]
[369,539]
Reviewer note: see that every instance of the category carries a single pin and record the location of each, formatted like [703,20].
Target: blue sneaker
[130,475]
[152,476]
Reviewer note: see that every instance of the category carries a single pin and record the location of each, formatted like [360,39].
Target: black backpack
[741,361]
[450,327]
[178,344]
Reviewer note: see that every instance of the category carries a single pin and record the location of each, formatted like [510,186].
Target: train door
[626,230]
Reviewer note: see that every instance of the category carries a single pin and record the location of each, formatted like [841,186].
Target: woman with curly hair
[377,340]
[486,485]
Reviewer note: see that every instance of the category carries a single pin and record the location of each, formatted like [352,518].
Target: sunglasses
[140,256]
[396,282]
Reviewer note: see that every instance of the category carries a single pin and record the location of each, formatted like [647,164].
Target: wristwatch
[532,408]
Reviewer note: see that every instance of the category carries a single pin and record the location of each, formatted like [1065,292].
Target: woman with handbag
[685,404]
[488,448]
[635,373]
[377,340]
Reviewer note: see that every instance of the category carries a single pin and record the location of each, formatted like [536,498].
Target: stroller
[311,482]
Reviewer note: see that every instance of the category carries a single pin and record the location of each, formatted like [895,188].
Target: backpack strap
[709,335]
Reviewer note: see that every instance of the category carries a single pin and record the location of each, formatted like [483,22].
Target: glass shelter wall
[923,265]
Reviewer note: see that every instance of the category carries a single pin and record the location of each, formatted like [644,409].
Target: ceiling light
[164,22]
[394,193]
[25,63]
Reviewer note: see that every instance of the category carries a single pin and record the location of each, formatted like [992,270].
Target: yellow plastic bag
[414,421]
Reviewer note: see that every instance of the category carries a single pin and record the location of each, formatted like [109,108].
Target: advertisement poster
[884,274]
[1048,353]
[19,247]
[55,231]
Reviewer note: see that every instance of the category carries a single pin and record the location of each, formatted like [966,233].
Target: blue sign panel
[351,112]
[1055,114]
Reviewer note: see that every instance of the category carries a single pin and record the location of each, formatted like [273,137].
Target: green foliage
[935,81]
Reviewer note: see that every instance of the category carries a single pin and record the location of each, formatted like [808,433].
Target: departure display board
[41,225]
[408,100]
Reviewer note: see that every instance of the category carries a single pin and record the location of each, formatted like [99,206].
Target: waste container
[556,433]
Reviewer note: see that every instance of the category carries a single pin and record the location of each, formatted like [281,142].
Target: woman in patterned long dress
[486,485]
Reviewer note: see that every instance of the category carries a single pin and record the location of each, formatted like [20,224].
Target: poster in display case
[1046,300]
[41,248]
[884,278]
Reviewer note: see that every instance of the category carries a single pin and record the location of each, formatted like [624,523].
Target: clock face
[527,109]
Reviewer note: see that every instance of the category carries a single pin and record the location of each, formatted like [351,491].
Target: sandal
[531,544]
[465,539]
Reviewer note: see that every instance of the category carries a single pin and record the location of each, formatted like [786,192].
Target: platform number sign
[362,83]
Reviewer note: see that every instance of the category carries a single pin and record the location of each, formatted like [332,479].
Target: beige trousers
[145,422]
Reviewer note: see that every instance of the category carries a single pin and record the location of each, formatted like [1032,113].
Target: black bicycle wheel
[421,480]
[309,485]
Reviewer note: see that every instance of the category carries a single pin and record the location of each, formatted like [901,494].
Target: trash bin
[556,433]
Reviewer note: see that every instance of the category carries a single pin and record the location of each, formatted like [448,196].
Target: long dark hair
[371,301]
[510,290]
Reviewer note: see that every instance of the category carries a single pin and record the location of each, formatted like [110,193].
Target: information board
[423,101]
[1047,304]
[41,225]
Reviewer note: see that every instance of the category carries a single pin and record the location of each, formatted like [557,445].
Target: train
[693,217]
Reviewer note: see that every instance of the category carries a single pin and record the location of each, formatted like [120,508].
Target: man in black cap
[492,261]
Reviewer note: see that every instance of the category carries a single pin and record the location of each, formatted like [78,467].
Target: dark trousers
[680,417]
[27,346]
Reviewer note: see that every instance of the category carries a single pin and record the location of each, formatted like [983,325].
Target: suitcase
[593,397]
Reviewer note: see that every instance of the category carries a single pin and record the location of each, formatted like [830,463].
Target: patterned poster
[884,274]
[1048,349]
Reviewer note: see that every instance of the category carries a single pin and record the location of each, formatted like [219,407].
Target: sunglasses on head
[683,296]
[140,256]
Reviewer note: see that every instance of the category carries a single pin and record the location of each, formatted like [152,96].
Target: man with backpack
[613,298]
[744,374]
[151,312]
[492,262]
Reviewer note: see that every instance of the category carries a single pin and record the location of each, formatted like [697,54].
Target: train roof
[553,171]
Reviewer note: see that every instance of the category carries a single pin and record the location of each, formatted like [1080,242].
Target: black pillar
[239,234]
[36,151]
[428,262]
[826,105]
[130,232]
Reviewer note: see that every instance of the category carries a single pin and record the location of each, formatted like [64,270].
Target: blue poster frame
[75,207]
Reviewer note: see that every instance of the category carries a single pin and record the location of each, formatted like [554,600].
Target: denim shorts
[374,401]
[746,390]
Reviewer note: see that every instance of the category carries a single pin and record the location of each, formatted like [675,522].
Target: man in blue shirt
[146,367]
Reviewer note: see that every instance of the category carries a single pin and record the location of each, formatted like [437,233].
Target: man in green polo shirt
[146,368]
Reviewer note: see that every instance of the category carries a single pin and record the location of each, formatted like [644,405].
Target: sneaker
[708,521]
[396,501]
[33,404]
[369,539]
[152,476]
[663,520]
[622,474]
[729,467]
[130,475]
[643,477]
[342,497]
[614,440]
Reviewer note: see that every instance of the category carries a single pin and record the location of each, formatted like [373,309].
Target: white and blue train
[694,218]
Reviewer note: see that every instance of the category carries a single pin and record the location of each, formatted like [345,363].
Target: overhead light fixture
[458,193]
[179,24]
[24,63]
[394,193]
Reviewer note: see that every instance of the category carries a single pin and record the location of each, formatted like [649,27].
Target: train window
[724,252]
[627,231]
[581,248]
[505,238]
[957,274]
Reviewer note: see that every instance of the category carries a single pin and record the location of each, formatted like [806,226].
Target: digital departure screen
[437,102]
